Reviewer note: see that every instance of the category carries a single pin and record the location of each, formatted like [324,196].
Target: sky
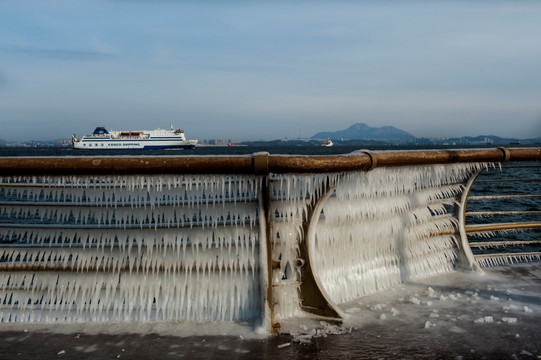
[261,70]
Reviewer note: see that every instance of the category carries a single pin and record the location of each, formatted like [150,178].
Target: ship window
[101,144]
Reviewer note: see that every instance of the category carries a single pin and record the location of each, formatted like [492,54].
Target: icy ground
[496,314]
[452,316]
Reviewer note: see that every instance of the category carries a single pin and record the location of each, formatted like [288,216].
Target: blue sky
[268,69]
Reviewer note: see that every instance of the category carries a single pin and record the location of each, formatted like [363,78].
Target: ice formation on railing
[292,197]
[493,233]
[498,201]
[387,226]
[129,248]
[188,248]
[507,259]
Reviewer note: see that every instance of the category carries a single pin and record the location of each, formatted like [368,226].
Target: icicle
[122,292]
[133,239]
[383,225]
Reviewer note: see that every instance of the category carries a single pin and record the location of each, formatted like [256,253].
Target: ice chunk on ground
[428,324]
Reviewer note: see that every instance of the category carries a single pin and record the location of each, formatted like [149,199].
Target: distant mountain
[311,142]
[362,131]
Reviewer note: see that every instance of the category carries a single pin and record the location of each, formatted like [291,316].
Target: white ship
[327,143]
[102,139]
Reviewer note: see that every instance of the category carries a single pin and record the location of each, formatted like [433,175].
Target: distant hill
[363,135]
[362,131]
[488,139]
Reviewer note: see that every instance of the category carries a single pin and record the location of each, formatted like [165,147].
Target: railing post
[466,260]
[261,168]
[314,299]
[266,232]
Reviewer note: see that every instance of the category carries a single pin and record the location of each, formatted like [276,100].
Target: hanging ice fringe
[290,199]
[187,248]
[387,226]
[506,259]
[129,248]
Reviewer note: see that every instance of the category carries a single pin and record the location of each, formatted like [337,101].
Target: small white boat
[327,142]
[102,139]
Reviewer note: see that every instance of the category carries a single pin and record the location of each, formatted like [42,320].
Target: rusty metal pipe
[358,161]
[525,154]
[506,255]
[503,227]
[503,243]
[425,157]
[306,163]
[125,165]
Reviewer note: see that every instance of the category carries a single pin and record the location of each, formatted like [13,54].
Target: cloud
[57,53]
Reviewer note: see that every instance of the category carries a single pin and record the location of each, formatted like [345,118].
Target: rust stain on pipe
[331,163]
[503,226]
[438,157]
[125,165]
[245,164]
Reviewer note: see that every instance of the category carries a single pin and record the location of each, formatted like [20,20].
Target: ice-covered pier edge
[259,239]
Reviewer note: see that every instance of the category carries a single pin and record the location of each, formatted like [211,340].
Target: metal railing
[258,163]
[511,207]
[238,237]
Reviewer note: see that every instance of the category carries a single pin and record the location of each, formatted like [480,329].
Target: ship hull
[102,139]
[108,144]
